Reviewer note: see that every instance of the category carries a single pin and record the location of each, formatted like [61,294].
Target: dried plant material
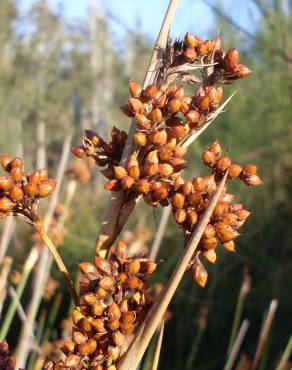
[158,349]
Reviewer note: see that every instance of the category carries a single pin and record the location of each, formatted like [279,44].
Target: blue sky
[191,15]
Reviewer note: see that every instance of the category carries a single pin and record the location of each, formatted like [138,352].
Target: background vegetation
[65,77]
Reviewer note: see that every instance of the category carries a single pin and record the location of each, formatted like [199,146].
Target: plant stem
[158,349]
[286,355]
[40,329]
[28,265]
[52,317]
[39,226]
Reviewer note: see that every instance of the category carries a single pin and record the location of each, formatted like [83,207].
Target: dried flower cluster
[7,362]
[20,192]
[114,301]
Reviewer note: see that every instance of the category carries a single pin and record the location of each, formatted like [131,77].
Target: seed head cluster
[7,362]
[115,300]
[20,192]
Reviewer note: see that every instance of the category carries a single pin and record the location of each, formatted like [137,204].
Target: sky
[191,15]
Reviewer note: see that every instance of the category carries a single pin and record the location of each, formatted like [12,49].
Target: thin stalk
[158,349]
[40,329]
[237,344]
[265,355]
[265,333]
[286,355]
[244,290]
[6,266]
[109,229]
[159,234]
[39,226]
[7,232]
[146,330]
[28,265]
[52,317]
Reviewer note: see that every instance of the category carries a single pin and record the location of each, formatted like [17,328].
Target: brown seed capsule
[127,182]
[150,169]
[134,172]
[78,151]
[127,328]
[223,164]
[192,217]
[234,171]
[45,188]
[120,172]
[121,251]
[160,101]
[190,54]
[142,186]
[147,266]
[220,209]
[230,246]
[210,255]
[219,93]
[16,162]
[78,337]
[97,309]
[89,298]
[209,243]
[6,205]
[179,151]
[135,89]
[242,71]
[5,160]
[150,91]
[127,111]
[187,188]
[17,174]
[229,218]
[123,306]
[100,292]
[203,103]
[242,214]
[113,324]
[199,184]
[195,199]
[112,185]
[180,216]
[209,158]
[225,232]
[152,157]
[149,199]
[68,346]
[191,40]
[193,116]
[179,131]
[178,200]
[199,274]
[133,282]
[88,268]
[135,105]
[128,317]
[209,231]
[6,183]
[164,154]
[72,361]
[113,352]
[231,58]
[165,169]
[156,115]
[160,193]
[86,324]
[111,367]
[253,180]
[98,325]
[133,266]
[113,311]
[157,137]
[250,169]
[118,338]
[142,121]
[107,282]
[173,106]
[102,265]
[140,138]
[215,148]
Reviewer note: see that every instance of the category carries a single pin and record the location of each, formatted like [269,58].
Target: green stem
[286,355]
[29,263]
[236,322]
[52,317]
[41,325]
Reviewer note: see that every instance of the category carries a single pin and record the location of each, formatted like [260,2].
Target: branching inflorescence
[114,297]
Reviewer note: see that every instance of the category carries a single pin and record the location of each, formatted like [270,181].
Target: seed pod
[152,157]
[113,311]
[151,169]
[253,180]
[191,40]
[88,268]
[133,282]
[164,154]
[187,188]
[220,209]
[231,58]
[134,172]
[68,346]
[199,274]
[209,158]
[223,164]
[156,115]
[5,160]
[133,266]
[121,251]
[194,199]
[158,137]
[107,282]
[179,131]
[173,106]
[192,217]
[199,184]
[249,170]
[16,162]
[225,232]
[97,309]
[111,367]
[202,49]
[149,92]
[102,265]
[242,71]
[86,324]
[210,255]
[120,172]
[45,188]
[112,185]
[128,317]
[160,194]
[160,101]
[149,199]
[178,200]
[72,361]
[127,182]
[100,292]
[135,89]
[142,186]
[165,169]
[113,352]
[179,151]
[127,111]
[229,218]
[113,324]
[209,231]
[98,325]
[89,298]
[135,105]
[140,138]
[234,171]
[6,183]
[193,116]
[147,266]
[215,148]
[219,93]
[78,152]
[142,121]
[17,174]
[77,316]
[78,337]
[209,243]
[230,246]
[95,139]
[127,328]
[180,216]
[118,338]
[190,54]
[242,214]
[6,205]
